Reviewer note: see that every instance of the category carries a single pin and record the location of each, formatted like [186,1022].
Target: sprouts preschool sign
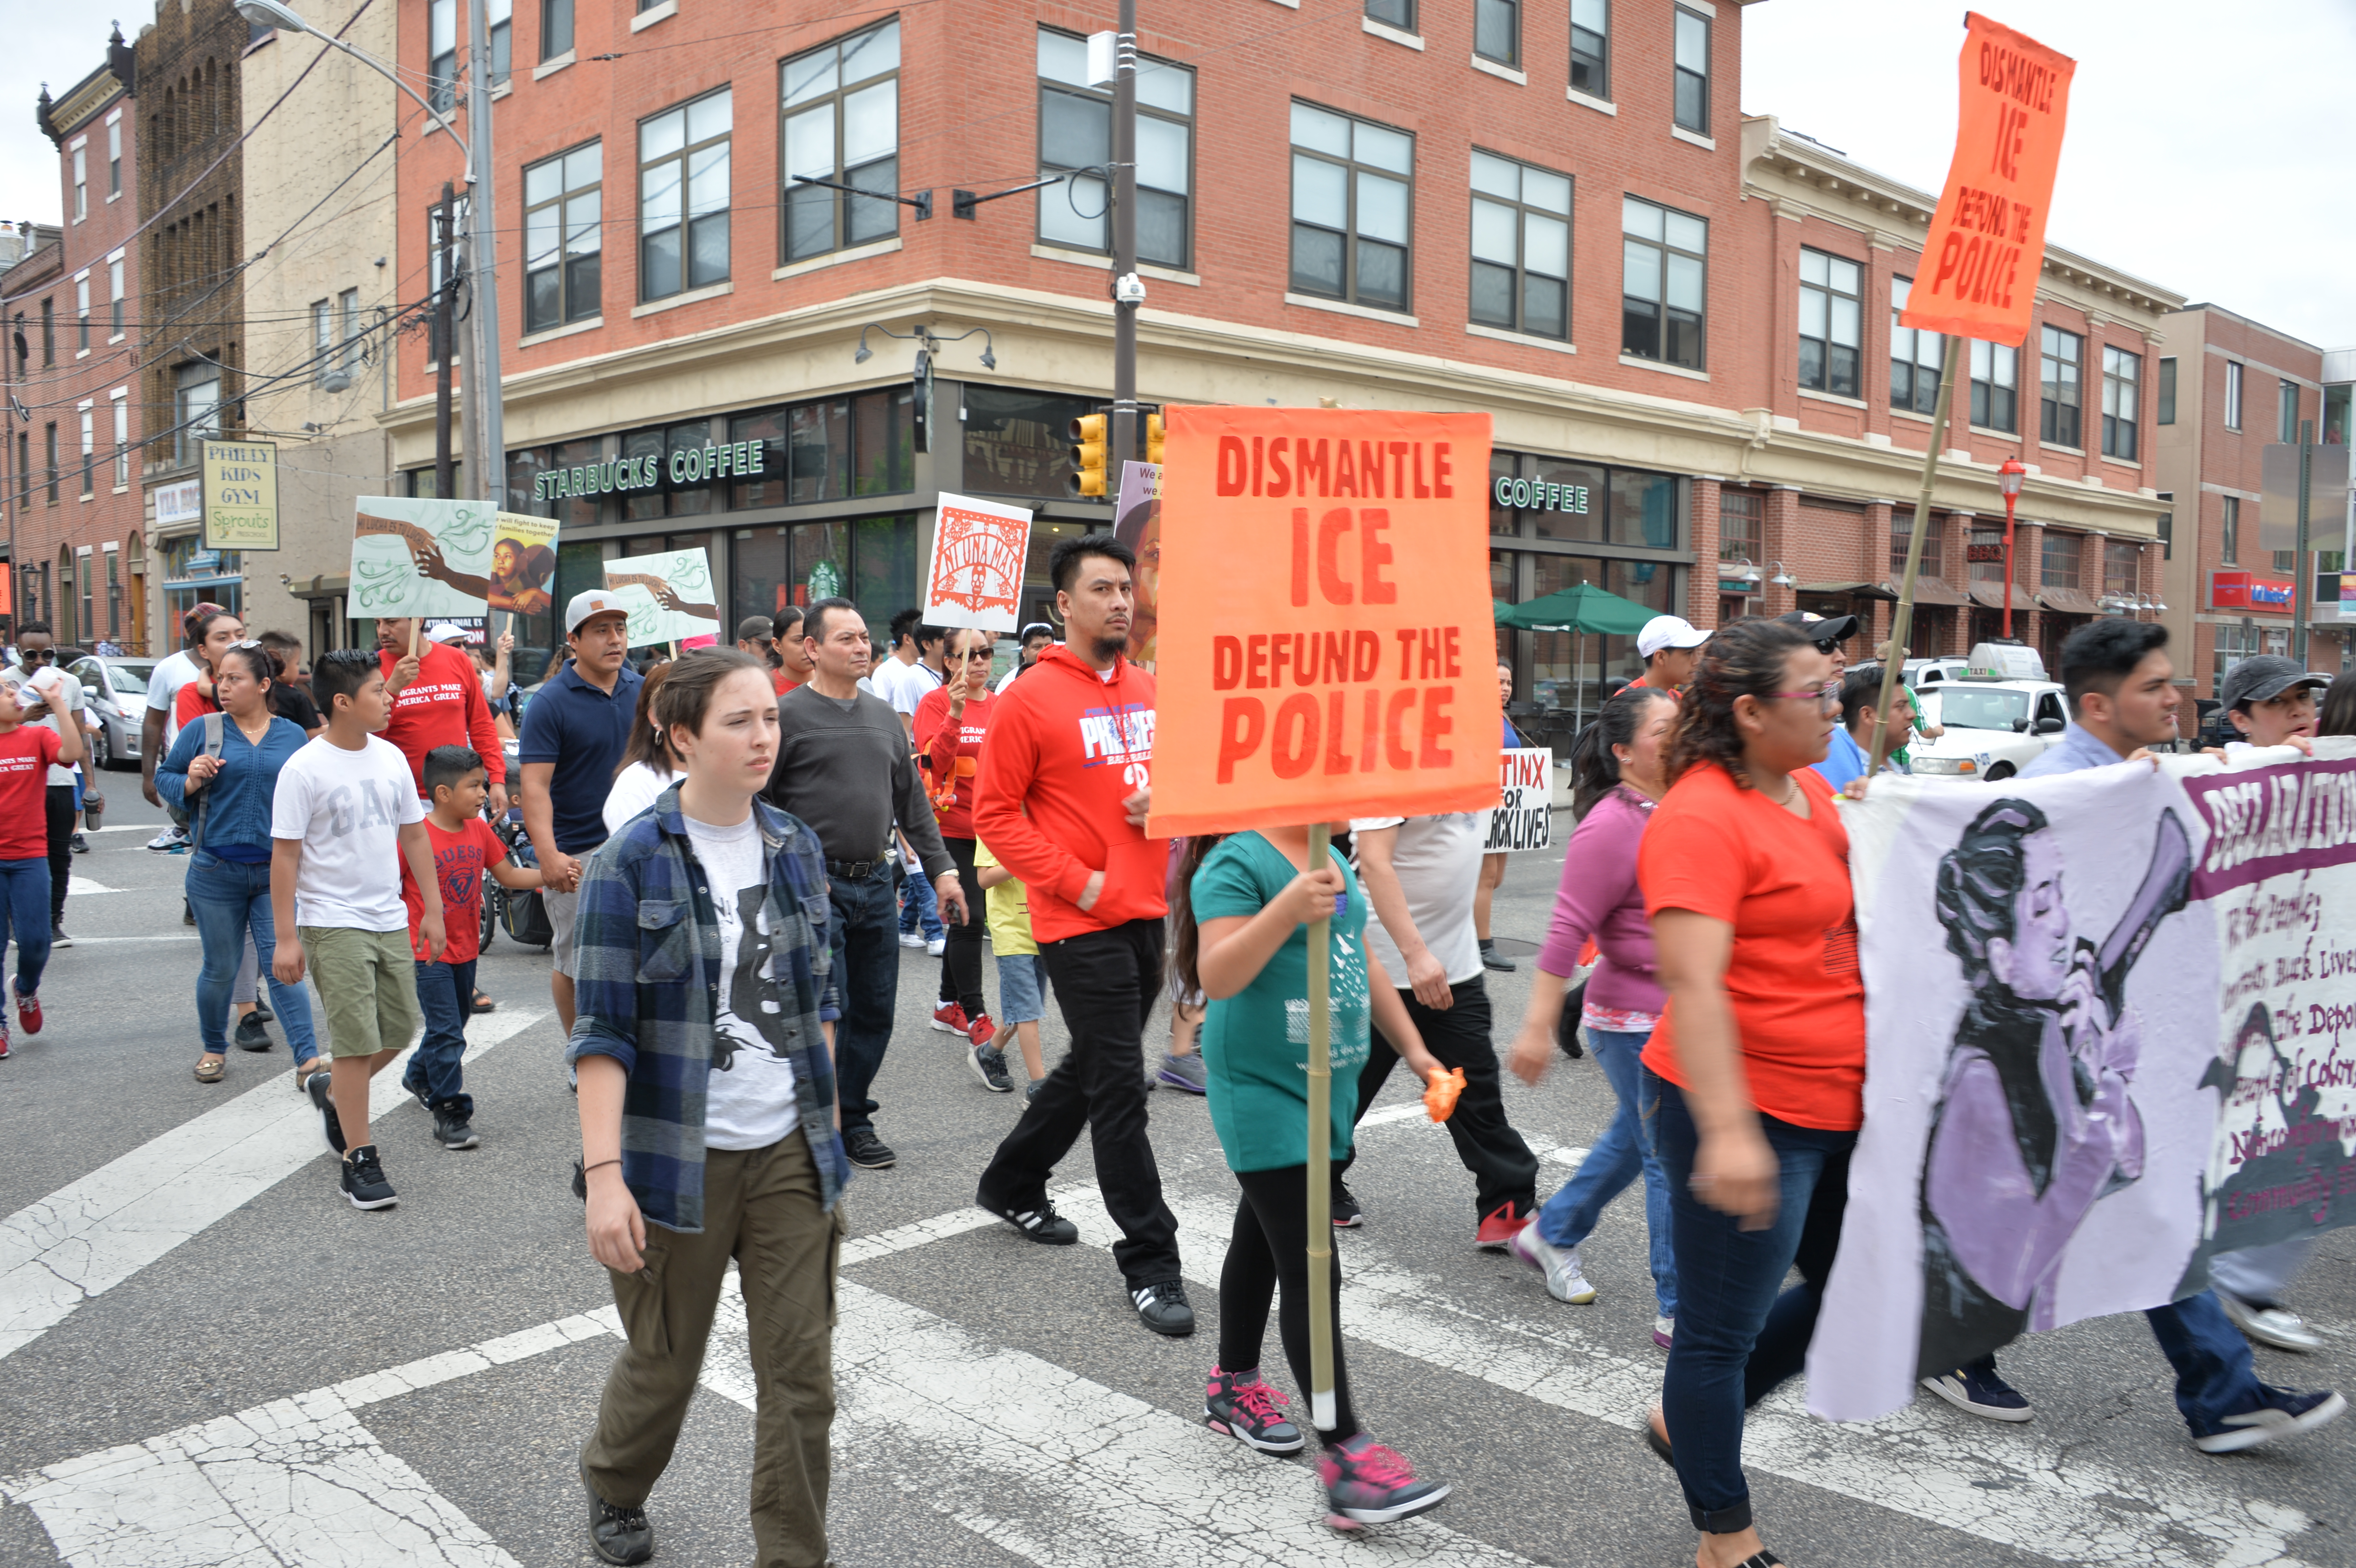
[687,466]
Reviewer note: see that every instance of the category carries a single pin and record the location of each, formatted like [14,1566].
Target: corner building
[1678,317]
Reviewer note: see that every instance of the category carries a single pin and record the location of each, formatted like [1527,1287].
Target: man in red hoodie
[437,701]
[1061,801]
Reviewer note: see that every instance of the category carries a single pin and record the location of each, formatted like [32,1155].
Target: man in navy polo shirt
[573,732]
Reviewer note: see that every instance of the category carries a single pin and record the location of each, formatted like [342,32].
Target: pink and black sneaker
[1246,1409]
[1366,1483]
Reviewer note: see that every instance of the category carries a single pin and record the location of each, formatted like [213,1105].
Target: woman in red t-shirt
[1759,1058]
[950,723]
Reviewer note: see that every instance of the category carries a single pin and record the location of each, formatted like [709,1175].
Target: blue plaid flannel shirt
[647,986]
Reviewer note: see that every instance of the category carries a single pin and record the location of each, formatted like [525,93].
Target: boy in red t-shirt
[465,849]
[27,751]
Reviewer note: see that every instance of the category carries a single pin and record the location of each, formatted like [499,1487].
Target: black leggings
[1270,1248]
[961,959]
[60,815]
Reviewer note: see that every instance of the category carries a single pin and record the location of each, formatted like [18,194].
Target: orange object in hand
[1440,1091]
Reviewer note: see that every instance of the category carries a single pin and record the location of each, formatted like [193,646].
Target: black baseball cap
[2264,676]
[1822,630]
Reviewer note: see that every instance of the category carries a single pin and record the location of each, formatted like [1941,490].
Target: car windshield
[128,679]
[1982,707]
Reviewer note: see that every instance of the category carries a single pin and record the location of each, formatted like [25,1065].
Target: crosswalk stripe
[92,1234]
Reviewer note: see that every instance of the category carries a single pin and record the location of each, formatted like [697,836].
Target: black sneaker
[451,1127]
[79,845]
[58,937]
[364,1182]
[2273,1413]
[616,1534]
[1163,1307]
[1980,1389]
[1031,1089]
[1042,1224]
[331,1129]
[867,1151]
[250,1035]
[1346,1215]
[989,1064]
[261,1014]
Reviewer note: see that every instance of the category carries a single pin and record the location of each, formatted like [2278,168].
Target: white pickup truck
[1993,727]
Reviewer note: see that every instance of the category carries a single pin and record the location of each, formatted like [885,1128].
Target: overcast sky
[2209,152]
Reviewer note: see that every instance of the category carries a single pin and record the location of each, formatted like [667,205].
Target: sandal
[306,1071]
[1660,1447]
[483,1004]
[211,1069]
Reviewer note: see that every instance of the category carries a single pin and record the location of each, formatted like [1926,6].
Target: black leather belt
[855,871]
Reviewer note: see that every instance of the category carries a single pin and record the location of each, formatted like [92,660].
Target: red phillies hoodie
[1065,748]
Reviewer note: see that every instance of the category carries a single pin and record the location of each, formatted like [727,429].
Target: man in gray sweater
[844,767]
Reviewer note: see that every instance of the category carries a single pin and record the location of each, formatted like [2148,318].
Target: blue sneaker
[1979,1389]
[2275,1412]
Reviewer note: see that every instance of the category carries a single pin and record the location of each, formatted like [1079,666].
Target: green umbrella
[1582,607]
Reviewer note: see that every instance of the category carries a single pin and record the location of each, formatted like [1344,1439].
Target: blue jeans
[446,995]
[230,900]
[24,913]
[2214,1374]
[865,985]
[1625,1148]
[920,903]
[1739,1334]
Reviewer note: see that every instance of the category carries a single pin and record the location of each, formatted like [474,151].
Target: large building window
[842,124]
[2233,394]
[555,29]
[2061,559]
[2061,356]
[2287,394]
[1497,30]
[2166,413]
[683,197]
[1590,47]
[1664,269]
[1521,247]
[196,408]
[2122,568]
[1353,209]
[1693,71]
[1076,139]
[1832,323]
[442,55]
[563,209]
[1996,386]
[2122,375]
[1913,358]
[1901,536]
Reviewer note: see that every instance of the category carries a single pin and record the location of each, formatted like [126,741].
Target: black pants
[60,808]
[1268,1253]
[1105,981]
[1503,1169]
[961,959]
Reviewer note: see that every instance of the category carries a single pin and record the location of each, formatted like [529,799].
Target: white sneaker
[1665,1329]
[166,839]
[2269,1325]
[912,939]
[937,945]
[1559,1265]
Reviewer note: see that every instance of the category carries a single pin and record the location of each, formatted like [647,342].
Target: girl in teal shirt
[1239,936]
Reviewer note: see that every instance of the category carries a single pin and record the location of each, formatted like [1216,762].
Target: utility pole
[2302,582]
[442,347]
[486,432]
[1127,292]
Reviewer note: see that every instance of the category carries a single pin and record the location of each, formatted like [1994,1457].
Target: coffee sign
[687,466]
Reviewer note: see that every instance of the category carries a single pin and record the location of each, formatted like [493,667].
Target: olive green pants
[761,1207]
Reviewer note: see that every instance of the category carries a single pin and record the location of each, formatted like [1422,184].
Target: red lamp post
[2008,478]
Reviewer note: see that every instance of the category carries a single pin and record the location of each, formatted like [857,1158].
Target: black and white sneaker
[617,1534]
[2275,1412]
[989,1064]
[364,1182]
[250,1035]
[1980,1389]
[58,937]
[1042,1224]
[1162,1306]
[331,1129]
[451,1127]
[867,1151]
[1347,1215]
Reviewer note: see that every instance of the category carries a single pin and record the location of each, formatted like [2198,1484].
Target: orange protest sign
[1326,643]
[1978,273]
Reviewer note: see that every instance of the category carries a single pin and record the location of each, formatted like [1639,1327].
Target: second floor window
[196,408]
[2166,413]
[2287,394]
[442,55]
[2061,559]
[842,124]
[81,182]
[2062,403]
[1075,134]
[81,312]
[564,208]
[2229,544]
[323,339]
[1913,358]
[1665,272]
[1497,30]
[1590,47]
[2232,395]
[684,198]
[1693,71]
[348,328]
[1351,207]
[1521,247]
[1996,386]
[2122,374]
[1832,323]
[498,20]
[114,158]
[1399,13]
[114,286]
[555,29]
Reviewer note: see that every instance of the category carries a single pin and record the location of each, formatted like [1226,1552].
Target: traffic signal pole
[1128,293]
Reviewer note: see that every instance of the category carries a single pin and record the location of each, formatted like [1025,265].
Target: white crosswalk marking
[88,1237]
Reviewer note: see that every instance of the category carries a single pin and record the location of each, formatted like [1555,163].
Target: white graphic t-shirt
[164,683]
[347,808]
[749,1102]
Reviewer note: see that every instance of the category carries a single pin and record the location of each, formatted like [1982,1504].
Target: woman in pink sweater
[1617,779]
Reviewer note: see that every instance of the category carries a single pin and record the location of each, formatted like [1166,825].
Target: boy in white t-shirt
[344,817]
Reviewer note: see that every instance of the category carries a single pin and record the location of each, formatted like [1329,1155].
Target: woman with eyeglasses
[1758,1060]
[950,723]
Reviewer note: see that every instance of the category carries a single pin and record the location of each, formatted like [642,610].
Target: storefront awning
[2068,602]
[320,587]
[1868,589]
[1931,591]
[1990,596]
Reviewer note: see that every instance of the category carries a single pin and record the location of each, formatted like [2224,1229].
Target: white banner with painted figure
[669,596]
[2110,1032]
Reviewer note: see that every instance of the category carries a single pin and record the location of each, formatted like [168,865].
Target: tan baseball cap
[590,602]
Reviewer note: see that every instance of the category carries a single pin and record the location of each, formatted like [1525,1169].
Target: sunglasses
[1827,695]
[982,653]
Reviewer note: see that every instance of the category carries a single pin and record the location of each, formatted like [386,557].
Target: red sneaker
[1500,1226]
[28,1012]
[981,1030]
[949,1018]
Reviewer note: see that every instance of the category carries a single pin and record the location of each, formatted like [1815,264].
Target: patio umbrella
[1579,609]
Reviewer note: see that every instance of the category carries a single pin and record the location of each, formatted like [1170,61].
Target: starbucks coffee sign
[688,465]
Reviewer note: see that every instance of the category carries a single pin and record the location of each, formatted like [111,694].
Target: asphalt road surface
[208,1358]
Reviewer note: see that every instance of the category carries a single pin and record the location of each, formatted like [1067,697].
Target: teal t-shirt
[1256,1043]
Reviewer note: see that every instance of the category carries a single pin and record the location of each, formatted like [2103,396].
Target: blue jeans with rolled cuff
[446,995]
[230,900]
[1625,1149]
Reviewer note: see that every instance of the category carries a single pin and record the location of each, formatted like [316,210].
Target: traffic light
[1088,448]
[1153,438]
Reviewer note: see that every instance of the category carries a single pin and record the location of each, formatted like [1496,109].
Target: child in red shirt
[27,751]
[465,851]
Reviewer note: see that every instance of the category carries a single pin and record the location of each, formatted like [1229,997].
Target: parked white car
[1993,727]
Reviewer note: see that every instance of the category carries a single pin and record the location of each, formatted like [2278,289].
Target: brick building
[77,543]
[1678,317]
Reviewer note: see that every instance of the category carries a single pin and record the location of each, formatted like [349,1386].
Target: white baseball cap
[591,601]
[446,632]
[1668,632]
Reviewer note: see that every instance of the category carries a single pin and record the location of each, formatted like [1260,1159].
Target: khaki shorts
[367,981]
[563,908]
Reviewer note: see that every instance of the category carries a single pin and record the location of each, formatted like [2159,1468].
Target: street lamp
[2009,476]
[1783,577]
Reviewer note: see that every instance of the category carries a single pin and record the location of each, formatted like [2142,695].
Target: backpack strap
[215,732]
